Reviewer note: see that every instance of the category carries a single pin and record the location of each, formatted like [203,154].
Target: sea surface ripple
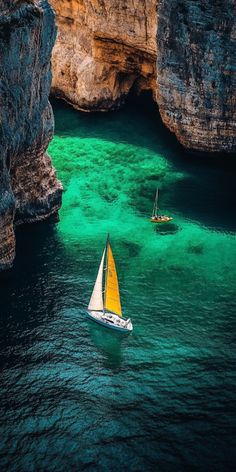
[75,396]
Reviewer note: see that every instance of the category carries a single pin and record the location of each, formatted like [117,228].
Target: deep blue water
[75,396]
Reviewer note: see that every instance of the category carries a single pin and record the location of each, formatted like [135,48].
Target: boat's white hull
[110,320]
[161,219]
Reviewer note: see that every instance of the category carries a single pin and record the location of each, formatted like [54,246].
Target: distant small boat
[156,218]
[104,306]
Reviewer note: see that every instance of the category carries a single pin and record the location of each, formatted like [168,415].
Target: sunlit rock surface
[29,190]
[103,49]
[106,47]
[196,72]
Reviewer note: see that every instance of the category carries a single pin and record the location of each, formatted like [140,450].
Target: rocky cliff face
[104,47]
[29,190]
[196,72]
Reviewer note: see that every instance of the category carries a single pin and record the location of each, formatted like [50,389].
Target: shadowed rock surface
[196,72]
[29,190]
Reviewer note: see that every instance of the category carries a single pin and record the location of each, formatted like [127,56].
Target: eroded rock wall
[106,47]
[196,72]
[103,49]
[29,189]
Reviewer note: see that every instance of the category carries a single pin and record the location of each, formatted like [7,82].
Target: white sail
[96,300]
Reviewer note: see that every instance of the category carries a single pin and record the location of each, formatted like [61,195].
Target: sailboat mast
[111,292]
[106,268]
[155,207]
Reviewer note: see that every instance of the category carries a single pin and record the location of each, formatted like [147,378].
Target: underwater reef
[182,51]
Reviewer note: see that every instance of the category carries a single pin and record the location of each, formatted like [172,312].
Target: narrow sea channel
[75,396]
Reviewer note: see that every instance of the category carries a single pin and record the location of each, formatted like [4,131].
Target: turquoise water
[75,396]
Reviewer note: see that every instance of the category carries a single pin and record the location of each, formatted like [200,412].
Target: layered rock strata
[196,72]
[103,49]
[29,189]
[106,47]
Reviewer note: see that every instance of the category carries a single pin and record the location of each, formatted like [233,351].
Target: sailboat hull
[161,219]
[110,320]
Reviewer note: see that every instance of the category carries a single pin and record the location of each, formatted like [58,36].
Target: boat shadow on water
[108,343]
[167,228]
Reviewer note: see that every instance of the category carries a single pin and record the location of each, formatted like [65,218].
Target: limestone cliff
[196,72]
[29,190]
[103,48]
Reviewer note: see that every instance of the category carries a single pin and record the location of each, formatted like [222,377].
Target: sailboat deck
[160,219]
[111,320]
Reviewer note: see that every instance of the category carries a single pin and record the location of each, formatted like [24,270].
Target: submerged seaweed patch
[110,167]
[195,248]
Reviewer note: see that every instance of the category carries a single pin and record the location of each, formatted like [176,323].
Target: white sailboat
[104,306]
[156,218]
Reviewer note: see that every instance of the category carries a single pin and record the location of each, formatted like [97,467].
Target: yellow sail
[112,295]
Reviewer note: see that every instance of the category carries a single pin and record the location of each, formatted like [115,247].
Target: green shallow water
[76,396]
